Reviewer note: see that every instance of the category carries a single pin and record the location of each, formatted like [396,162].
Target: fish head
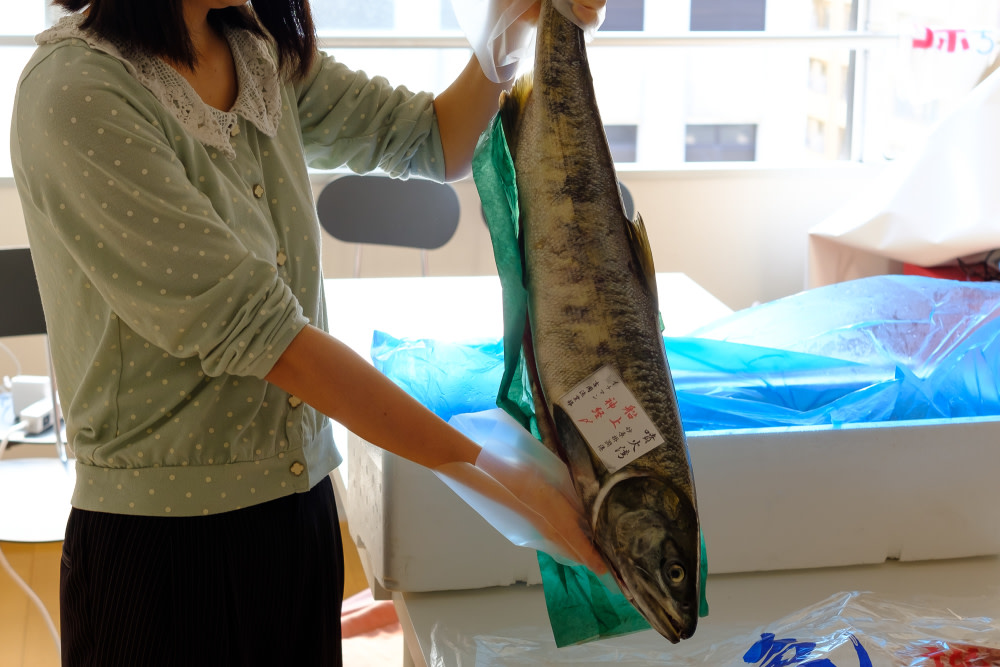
[648,530]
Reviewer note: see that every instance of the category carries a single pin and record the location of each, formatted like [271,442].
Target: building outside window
[727,14]
[623,141]
[353,15]
[625,15]
[816,135]
[720,143]
[817,75]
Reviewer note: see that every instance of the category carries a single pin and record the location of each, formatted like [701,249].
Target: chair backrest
[20,304]
[21,315]
[379,210]
[627,201]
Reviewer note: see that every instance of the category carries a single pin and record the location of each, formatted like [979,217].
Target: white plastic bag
[501,41]
[506,444]
[926,208]
[848,629]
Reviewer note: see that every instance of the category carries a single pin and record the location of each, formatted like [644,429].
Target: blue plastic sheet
[448,378]
[877,349]
[938,337]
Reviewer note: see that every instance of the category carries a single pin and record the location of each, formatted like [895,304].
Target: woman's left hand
[501,34]
[501,31]
[588,14]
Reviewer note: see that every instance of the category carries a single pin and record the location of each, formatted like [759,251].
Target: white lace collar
[259,99]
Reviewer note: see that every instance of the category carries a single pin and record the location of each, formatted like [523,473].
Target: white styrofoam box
[801,497]
[769,499]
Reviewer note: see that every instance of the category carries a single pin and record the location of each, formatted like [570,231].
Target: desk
[35,484]
[35,491]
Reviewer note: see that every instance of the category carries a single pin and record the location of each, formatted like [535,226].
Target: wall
[739,231]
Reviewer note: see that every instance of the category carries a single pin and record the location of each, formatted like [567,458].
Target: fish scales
[592,303]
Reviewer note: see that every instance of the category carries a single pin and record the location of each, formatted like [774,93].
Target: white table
[469,307]
[35,487]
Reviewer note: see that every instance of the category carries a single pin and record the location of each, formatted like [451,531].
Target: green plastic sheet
[581,606]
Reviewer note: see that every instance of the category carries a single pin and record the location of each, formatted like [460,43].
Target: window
[661,68]
[821,14]
[353,15]
[623,140]
[624,15]
[720,143]
[448,20]
[727,14]
[817,75]
[845,81]
[816,135]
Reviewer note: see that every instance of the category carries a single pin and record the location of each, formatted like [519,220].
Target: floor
[24,638]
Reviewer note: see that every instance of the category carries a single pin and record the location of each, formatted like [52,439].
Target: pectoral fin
[511,107]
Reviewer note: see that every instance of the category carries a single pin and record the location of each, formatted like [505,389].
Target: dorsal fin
[511,106]
[639,240]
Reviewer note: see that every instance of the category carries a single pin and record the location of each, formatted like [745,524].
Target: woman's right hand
[551,508]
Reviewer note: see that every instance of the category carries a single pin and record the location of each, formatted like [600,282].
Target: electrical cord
[21,583]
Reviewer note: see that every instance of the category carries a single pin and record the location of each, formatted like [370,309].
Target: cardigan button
[258,191]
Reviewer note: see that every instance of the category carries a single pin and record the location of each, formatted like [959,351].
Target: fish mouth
[672,624]
[662,615]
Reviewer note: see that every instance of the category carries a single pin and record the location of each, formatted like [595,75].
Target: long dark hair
[157,26]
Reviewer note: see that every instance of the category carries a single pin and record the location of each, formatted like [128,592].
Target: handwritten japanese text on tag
[612,422]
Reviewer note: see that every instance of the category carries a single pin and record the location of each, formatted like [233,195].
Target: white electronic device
[27,390]
[37,417]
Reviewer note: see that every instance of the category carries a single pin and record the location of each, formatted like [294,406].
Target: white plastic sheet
[928,208]
[506,441]
[849,629]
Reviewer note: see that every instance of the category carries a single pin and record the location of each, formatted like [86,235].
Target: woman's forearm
[328,375]
[464,109]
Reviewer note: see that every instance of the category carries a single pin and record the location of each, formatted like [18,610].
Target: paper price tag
[609,418]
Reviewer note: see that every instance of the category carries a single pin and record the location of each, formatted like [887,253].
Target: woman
[160,152]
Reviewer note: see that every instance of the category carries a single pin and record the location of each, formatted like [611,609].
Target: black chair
[19,295]
[628,201]
[34,492]
[379,210]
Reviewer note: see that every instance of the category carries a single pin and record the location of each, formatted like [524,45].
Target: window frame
[860,41]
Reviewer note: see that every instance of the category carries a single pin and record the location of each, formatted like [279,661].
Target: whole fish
[602,389]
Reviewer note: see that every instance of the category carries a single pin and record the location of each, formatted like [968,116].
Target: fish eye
[675,573]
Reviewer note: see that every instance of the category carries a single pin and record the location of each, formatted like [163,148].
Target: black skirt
[256,586]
